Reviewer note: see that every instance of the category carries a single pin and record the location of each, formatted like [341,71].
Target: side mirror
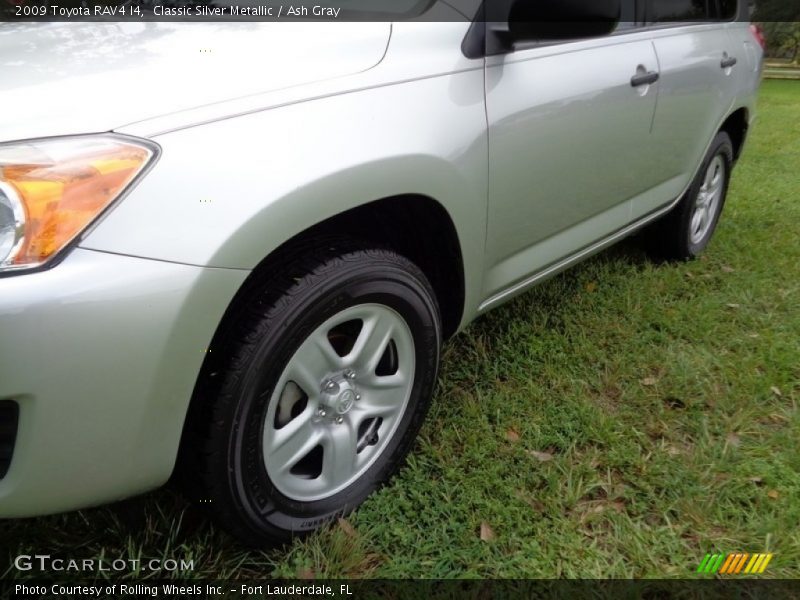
[555,20]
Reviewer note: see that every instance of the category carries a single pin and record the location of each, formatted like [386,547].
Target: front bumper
[101,354]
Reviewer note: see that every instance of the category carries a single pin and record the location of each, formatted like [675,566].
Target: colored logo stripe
[704,564]
[728,561]
[734,563]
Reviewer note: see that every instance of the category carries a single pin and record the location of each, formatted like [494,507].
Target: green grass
[662,398]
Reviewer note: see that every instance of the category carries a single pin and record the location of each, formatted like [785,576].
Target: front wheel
[329,378]
[686,231]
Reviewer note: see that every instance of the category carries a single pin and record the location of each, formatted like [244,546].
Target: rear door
[698,60]
[748,72]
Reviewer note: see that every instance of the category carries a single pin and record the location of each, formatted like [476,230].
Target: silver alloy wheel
[708,200]
[338,402]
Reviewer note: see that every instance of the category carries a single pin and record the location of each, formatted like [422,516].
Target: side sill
[572,259]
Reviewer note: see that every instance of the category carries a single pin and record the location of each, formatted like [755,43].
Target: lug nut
[350,374]
[358,397]
[330,385]
[339,420]
[321,412]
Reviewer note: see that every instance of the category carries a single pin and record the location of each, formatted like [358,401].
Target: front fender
[227,193]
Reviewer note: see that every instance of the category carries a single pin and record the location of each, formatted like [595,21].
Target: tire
[295,437]
[684,233]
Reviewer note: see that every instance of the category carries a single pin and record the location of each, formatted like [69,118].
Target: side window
[728,10]
[627,18]
[670,11]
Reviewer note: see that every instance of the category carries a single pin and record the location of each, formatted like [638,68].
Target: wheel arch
[415,226]
[736,126]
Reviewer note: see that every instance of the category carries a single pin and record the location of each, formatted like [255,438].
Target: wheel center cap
[345,401]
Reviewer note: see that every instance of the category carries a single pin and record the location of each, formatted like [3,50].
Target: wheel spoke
[312,362]
[703,219]
[339,454]
[707,179]
[383,396]
[711,211]
[714,177]
[701,198]
[284,447]
[697,221]
[302,375]
[711,173]
[372,341]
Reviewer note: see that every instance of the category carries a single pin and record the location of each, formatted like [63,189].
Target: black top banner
[237,10]
[647,11]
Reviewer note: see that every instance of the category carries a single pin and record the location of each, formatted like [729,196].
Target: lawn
[621,420]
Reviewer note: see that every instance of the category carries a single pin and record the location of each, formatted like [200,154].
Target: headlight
[52,190]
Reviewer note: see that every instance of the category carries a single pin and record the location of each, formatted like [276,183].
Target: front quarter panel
[127,317]
[225,194]
[101,354]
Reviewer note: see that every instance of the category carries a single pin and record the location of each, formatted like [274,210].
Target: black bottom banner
[405,589]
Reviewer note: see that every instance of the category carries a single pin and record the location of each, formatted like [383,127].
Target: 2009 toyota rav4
[238,247]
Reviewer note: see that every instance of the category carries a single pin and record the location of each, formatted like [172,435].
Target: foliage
[783,39]
[786,11]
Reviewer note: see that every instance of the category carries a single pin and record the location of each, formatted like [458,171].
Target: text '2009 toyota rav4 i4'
[244,262]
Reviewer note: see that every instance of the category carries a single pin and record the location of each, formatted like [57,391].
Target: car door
[698,60]
[568,149]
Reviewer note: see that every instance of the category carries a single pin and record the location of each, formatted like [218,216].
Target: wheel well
[736,127]
[417,227]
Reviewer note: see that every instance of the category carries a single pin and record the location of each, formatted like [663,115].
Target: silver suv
[234,250]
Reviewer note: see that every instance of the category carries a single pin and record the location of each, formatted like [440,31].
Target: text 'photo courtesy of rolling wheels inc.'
[423,299]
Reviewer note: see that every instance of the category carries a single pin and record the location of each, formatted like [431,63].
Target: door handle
[728,62]
[645,78]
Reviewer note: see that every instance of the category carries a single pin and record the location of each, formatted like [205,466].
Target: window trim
[475,42]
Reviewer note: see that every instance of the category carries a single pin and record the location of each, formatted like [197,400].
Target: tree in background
[780,20]
[783,40]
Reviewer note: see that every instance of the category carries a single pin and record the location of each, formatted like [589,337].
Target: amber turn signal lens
[62,185]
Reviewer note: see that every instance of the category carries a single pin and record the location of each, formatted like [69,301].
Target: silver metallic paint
[102,351]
